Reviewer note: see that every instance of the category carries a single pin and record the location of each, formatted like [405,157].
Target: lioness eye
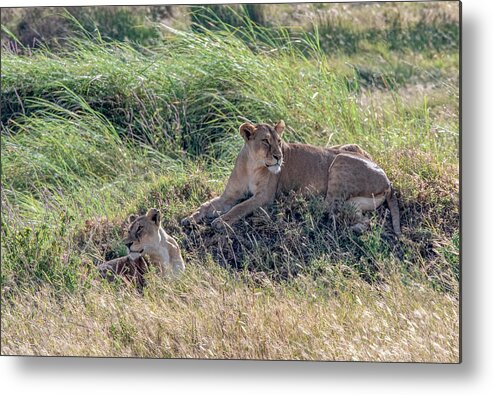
[265,141]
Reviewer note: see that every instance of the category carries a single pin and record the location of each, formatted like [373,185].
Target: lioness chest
[258,179]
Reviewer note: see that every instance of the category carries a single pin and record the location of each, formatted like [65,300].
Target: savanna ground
[109,111]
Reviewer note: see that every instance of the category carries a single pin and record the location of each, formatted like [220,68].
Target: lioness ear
[154,215]
[279,128]
[247,130]
[131,218]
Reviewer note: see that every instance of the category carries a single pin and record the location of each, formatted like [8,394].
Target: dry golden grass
[211,313]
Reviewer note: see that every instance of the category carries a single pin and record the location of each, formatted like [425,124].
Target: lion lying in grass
[268,166]
[146,237]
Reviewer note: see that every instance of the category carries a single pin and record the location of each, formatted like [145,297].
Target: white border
[473,376]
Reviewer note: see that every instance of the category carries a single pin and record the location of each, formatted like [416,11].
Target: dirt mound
[287,237]
[295,233]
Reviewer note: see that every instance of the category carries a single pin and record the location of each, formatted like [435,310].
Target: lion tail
[394,211]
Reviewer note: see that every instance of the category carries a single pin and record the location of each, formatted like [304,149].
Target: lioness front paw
[188,221]
[218,224]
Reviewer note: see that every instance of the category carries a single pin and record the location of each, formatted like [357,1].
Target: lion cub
[267,166]
[146,237]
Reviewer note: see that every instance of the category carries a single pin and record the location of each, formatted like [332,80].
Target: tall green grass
[189,95]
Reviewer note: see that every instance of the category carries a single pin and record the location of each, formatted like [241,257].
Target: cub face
[264,144]
[143,234]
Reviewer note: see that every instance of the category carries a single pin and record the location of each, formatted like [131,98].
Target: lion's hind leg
[362,204]
[358,182]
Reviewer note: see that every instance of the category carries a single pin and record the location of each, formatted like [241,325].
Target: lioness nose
[129,244]
[276,157]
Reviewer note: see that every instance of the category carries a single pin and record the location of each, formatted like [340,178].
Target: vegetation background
[108,111]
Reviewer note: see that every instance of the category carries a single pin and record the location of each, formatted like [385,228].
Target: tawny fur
[267,166]
[131,270]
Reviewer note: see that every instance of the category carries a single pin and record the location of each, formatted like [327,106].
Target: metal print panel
[257,181]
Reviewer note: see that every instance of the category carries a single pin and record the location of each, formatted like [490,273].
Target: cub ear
[154,215]
[247,131]
[131,218]
[279,128]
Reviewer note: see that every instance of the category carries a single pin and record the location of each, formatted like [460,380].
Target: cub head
[143,234]
[264,144]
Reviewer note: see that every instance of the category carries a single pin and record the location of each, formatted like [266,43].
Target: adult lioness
[268,166]
[146,237]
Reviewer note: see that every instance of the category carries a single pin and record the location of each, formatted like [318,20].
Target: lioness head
[143,234]
[264,144]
